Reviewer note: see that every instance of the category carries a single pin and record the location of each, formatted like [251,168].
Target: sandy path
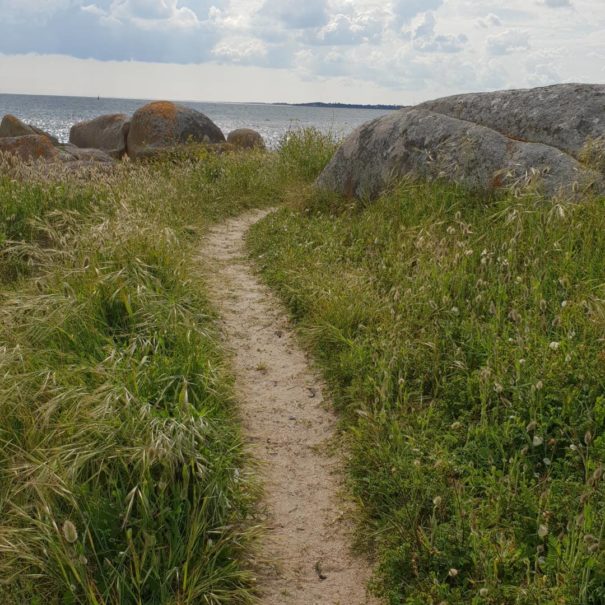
[305,557]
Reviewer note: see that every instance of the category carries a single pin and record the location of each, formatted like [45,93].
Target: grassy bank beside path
[463,343]
[122,478]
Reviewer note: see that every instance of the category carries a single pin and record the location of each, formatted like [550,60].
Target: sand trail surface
[305,557]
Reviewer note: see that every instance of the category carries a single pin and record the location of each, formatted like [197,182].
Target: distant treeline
[343,105]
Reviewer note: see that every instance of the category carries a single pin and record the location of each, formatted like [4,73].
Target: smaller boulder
[162,124]
[30,147]
[71,153]
[246,138]
[11,126]
[107,132]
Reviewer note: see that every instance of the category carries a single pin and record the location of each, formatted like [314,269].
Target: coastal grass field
[463,340]
[122,478]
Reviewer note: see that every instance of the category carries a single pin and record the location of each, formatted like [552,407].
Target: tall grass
[122,477]
[463,342]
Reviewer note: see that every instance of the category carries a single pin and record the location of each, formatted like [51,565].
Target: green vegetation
[463,343]
[122,479]
[462,340]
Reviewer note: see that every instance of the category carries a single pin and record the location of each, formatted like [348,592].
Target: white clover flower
[543,531]
[554,346]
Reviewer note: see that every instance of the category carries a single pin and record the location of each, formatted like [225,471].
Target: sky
[353,51]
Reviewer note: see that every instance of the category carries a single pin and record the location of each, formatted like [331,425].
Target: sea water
[56,114]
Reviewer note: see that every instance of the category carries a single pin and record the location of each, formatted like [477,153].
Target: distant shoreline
[320,104]
[313,104]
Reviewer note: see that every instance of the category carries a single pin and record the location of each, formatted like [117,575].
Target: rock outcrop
[11,126]
[421,144]
[30,147]
[246,138]
[565,116]
[107,132]
[163,124]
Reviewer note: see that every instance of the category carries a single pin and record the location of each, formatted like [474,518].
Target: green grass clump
[122,477]
[463,342]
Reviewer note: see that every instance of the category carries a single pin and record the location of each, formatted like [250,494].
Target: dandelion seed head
[70,533]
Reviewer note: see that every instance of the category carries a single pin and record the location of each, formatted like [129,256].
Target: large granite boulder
[421,144]
[163,124]
[566,116]
[246,138]
[30,147]
[107,132]
[11,126]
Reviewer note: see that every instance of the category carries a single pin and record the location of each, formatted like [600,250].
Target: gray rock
[11,126]
[419,144]
[163,124]
[246,138]
[566,116]
[107,132]
[71,153]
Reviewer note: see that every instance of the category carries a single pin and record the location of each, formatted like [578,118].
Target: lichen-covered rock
[30,147]
[11,126]
[163,124]
[566,116]
[107,132]
[246,138]
[424,145]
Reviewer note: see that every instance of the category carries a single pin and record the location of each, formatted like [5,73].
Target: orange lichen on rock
[30,147]
[164,109]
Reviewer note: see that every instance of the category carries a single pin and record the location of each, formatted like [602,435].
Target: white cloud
[509,41]
[412,49]
[491,20]
[297,14]
[425,39]
[152,14]
[353,28]
[406,10]
[240,50]
[557,3]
